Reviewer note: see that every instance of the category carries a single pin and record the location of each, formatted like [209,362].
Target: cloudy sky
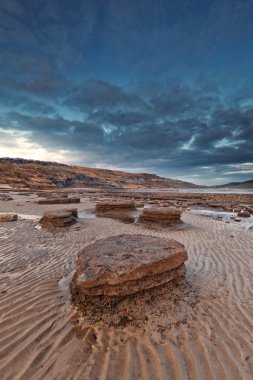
[151,85]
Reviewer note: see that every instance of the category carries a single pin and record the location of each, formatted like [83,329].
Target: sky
[155,86]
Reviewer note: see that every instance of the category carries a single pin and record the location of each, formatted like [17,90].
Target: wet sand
[204,333]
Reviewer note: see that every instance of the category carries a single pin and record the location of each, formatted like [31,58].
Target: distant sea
[195,191]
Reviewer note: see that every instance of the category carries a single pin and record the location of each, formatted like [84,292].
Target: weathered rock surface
[164,216]
[8,217]
[127,264]
[63,200]
[60,218]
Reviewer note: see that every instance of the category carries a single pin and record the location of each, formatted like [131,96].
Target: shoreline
[208,334]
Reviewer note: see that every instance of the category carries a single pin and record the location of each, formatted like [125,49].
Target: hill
[21,173]
[239,185]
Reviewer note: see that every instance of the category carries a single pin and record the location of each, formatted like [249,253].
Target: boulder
[8,217]
[164,216]
[127,264]
[60,218]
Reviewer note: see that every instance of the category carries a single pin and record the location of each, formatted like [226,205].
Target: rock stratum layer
[127,264]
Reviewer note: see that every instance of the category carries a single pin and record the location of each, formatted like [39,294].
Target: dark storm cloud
[43,86]
[197,136]
[56,131]
[100,95]
[140,85]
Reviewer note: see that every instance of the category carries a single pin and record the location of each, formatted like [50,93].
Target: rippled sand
[209,337]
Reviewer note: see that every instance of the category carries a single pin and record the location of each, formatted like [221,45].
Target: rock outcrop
[163,216]
[58,219]
[8,217]
[127,264]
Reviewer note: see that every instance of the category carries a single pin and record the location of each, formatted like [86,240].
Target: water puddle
[86,215]
[64,286]
[224,216]
[29,217]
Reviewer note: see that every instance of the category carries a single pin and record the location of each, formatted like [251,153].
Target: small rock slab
[8,217]
[161,215]
[127,264]
[60,218]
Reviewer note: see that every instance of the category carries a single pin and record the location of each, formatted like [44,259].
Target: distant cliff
[21,173]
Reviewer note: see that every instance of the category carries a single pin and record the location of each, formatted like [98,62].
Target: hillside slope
[21,173]
[239,185]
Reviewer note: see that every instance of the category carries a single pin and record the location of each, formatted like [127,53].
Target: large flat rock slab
[127,264]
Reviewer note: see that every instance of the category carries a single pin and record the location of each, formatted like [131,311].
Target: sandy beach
[204,330]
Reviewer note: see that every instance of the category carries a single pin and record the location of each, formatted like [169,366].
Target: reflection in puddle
[29,217]
[85,214]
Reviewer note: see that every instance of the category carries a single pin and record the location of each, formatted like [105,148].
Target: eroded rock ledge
[164,216]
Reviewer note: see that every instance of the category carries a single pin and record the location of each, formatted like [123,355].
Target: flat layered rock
[63,200]
[60,218]
[161,215]
[109,206]
[127,264]
[8,217]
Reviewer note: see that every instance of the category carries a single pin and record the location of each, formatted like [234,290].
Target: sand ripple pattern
[41,340]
